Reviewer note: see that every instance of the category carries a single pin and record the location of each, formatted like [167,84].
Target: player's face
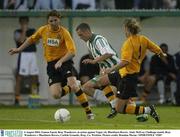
[53,21]
[24,24]
[164,49]
[83,34]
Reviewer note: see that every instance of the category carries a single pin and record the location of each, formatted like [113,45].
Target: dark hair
[24,18]
[133,25]
[83,26]
[54,13]
[164,45]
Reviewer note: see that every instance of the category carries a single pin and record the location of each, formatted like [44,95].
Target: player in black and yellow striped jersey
[133,52]
[59,49]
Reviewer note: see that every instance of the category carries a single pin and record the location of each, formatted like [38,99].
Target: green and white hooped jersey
[98,46]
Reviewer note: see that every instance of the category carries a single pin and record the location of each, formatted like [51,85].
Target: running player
[105,56]
[59,49]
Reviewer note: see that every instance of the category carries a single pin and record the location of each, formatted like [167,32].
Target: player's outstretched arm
[13,51]
[17,50]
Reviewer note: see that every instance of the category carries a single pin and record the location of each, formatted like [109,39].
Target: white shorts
[27,64]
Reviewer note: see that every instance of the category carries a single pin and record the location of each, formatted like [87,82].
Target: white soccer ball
[62,115]
[142,117]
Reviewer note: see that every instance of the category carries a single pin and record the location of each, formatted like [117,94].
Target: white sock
[173,87]
[99,96]
[113,103]
[160,87]
[147,110]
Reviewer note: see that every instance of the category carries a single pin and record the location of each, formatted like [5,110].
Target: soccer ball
[142,117]
[62,115]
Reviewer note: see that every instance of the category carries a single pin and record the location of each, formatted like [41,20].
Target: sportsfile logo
[2,133]
[11,133]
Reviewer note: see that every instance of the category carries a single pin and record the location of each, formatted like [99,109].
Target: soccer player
[105,56]
[59,49]
[133,52]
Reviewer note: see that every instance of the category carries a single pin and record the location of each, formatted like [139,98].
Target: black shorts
[60,75]
[126,86]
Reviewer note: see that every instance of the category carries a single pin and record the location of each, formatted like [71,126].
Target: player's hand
[13,51]
[107,70]
[102,71]
[88,61]
[58,65]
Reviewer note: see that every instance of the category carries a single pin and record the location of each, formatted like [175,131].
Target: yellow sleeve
[126,51]
[152,46]
[36,36]
[69,42]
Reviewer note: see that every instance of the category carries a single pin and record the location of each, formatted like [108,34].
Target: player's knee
[87,85]
[84,87]
[56,94]
[74,87]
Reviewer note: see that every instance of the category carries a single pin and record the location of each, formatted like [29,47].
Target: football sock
[83,101]
[133,109]
[65,90]
[147,110]
[108,92]
[161,88]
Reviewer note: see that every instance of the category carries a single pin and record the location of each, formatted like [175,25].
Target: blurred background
[160,21]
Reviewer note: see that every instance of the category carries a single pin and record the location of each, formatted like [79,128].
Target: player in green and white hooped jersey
[106,57]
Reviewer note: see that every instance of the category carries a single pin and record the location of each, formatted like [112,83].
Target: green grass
[42,118]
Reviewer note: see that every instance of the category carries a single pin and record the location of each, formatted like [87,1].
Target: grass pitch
[43,118]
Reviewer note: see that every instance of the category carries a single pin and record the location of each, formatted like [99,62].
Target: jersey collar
[92,37]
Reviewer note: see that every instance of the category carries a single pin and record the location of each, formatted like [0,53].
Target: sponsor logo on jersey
[53,42]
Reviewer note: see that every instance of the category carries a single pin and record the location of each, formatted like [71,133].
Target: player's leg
[34,84]
[55,81]
[148,85]
[124,107]
[109,93]
[84,79]
[81,96]
[173,87]
[103,81]
[91,88]
[34,72]
[97,82]
[161,91]
[22,70]
[69,73]
[58,91]
[17,89]
[127,88]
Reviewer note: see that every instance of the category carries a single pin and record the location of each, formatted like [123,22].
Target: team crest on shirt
[53,42]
